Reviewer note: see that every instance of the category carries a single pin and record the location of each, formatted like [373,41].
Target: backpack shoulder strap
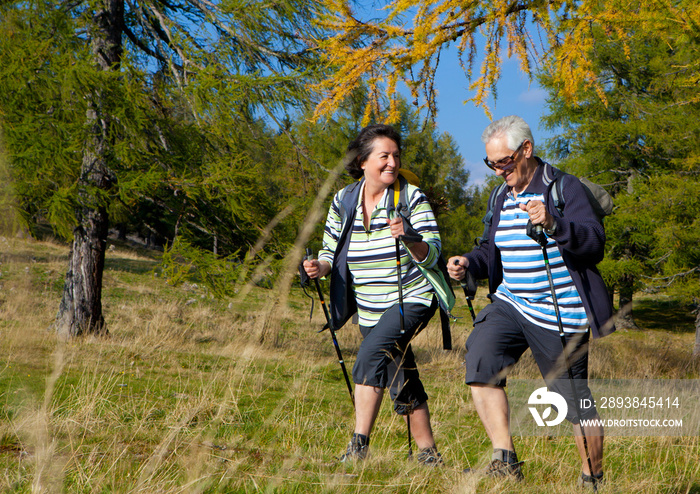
[347,201]
[493,197]
[599,199]
[557,194]
[553,179]
[403,195]
[399,195]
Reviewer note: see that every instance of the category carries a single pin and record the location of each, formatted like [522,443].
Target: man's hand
[457,270]
[538,214]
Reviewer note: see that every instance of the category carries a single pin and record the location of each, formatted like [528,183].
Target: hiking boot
[504,463]
[429,457]
[358,448]
[590,483]
[499,468]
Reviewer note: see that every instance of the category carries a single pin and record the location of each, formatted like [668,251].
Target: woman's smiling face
[382,165]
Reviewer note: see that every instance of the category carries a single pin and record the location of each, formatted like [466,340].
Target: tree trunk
[80,310]
[625,319]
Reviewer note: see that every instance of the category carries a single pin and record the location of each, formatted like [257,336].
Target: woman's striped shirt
[372,255]
[525,284]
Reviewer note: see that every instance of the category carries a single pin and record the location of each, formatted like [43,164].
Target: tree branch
[670,279]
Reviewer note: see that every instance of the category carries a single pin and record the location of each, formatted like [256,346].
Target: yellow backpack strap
[397,191]
[411,177]
[408,177]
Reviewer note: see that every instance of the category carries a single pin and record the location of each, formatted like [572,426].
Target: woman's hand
[396,227]
[316,269]
[418,250]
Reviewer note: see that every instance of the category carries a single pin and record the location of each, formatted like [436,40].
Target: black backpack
[599,198]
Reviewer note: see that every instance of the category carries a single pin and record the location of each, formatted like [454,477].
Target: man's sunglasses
[504,164]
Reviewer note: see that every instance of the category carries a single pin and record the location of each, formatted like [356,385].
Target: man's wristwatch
[553,230]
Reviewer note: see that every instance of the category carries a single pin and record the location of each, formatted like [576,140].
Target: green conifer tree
[125,103]
[639,140]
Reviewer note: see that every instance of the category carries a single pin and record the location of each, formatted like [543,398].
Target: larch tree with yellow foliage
[403,42]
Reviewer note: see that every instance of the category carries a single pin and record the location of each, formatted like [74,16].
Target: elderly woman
[522,313]
[362,261]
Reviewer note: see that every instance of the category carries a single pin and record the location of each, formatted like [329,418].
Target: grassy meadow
[192,394]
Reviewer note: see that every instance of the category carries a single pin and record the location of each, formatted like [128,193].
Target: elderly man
[522,312]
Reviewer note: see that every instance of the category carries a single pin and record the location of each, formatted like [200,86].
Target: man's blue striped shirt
[525,284]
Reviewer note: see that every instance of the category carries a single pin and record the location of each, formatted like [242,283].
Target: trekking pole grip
[467,283]
[463,281]
[469,292]
[536,233]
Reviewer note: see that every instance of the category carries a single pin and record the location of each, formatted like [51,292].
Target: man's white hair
[513,127]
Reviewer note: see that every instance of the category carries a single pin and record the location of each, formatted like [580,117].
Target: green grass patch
[664,314]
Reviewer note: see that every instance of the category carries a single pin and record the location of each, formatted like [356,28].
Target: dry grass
[192,394]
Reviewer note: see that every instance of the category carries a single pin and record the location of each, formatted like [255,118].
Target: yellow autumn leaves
[403,43]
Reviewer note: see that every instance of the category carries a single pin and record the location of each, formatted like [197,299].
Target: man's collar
[536,185]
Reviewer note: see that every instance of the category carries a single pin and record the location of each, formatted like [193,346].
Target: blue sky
[465,122]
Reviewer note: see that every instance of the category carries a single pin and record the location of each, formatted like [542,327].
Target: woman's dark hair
[360,149]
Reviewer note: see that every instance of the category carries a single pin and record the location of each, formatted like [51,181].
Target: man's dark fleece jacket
[580,238]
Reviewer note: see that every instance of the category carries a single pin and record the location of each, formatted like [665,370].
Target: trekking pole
[400,283]
[469,288]
[402,329]
[309,255]
[540,238]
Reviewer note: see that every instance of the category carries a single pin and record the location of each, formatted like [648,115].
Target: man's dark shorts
[500,337]
[385,358]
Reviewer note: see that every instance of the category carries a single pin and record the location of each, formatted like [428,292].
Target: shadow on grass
[134,266]
[27,256]
[693,489]
[664,315]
